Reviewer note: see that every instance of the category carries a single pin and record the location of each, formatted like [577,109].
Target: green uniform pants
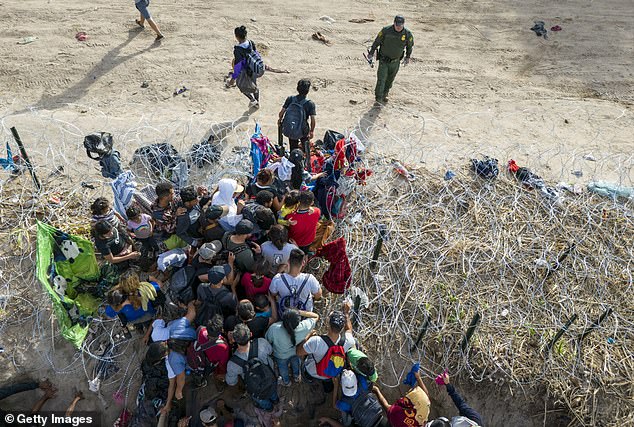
[385,76]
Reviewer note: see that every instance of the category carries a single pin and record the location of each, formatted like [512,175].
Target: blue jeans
[142,5]
[267,404]
[282,366]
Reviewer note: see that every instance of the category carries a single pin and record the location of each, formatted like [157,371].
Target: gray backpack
[294,119]
[366,410]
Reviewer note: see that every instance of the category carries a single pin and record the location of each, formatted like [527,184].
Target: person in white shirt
[295,289]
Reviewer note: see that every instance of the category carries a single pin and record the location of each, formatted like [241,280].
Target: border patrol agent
[390,42]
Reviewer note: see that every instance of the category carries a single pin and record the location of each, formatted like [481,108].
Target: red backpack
[197,358]
[333,362]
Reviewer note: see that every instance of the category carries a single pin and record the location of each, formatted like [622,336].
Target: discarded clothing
[486,168]
[284,168]
[8,162]
[539,29]
[262,150]
[173,258]
[525,176]
[610,189]
[339,274]
[533,181]
[111,165]
[123,188]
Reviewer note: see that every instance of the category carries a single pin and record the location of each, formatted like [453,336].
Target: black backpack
[259,379]
[366,410]
[157,157]
[98,145]
[181,284]
[294,119]
[210,306]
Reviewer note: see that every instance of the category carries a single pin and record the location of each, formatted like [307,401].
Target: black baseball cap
[215,212]
[244,227]
[399,20]
[217,273]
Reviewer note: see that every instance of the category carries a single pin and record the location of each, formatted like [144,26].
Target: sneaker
[298,379]
[280,381]
[254,104]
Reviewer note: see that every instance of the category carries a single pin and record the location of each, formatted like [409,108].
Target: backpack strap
[209,344]
[301,288]
[328,341]
[286,283]
[253,353]
[253,349]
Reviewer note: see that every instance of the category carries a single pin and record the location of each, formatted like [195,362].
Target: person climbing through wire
[390,42]
[468,416]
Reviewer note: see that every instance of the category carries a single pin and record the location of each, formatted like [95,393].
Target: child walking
[142,6]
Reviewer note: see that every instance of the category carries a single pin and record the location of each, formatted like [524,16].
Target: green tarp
[64,261]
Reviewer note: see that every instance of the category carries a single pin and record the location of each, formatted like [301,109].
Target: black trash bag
[330,139]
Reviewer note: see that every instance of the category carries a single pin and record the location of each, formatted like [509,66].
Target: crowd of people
[228,300]
[214,280]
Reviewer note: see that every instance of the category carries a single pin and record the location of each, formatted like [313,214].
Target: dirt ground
[480,82]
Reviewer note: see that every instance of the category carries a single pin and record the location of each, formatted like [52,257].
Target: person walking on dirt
[294,116]
[390,42]
[142,6]
[245,72]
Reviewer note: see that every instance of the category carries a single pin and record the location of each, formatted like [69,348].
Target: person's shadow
[365,126]
[111,60]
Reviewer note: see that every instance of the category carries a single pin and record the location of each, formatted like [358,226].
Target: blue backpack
[254,62]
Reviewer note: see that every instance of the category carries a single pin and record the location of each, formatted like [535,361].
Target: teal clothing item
[283,348]
[391,43]
[385,76]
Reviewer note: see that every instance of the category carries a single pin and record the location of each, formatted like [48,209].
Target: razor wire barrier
[450,250]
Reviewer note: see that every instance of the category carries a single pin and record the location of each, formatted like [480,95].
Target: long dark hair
[290,321]
[278,236]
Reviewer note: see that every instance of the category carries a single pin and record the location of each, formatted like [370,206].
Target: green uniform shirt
[391,43]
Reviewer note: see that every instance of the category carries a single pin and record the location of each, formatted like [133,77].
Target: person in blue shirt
[129,305]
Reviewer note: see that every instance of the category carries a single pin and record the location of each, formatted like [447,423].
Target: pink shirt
[250,290]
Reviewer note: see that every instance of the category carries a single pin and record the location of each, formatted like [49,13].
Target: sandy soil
[480,83]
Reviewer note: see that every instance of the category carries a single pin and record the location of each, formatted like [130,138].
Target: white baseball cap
[348,383]
[208,415]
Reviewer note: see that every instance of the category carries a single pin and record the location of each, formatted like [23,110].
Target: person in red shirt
[219,353]
[303,222]
[257,283]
